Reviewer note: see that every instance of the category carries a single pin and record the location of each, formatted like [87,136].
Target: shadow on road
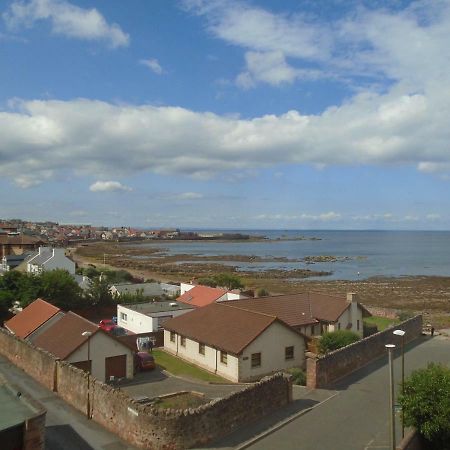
[251,430]
[64,437]
[150,376]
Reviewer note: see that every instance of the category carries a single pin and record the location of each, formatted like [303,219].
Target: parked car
[106,324]
[118,331]
[144,361]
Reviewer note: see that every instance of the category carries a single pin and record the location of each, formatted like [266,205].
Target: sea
[361,254]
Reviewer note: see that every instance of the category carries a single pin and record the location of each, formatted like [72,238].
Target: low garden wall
[324,370]
[146,426]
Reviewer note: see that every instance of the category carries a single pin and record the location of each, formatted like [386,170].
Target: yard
[381,322]
[177,366]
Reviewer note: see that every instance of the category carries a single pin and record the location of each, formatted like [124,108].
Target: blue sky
[239,114]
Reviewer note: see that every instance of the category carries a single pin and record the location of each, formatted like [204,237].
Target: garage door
[116,366]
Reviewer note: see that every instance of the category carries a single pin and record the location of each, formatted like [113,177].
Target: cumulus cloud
[66,19]
[153,65]
[108,186]
[104,139]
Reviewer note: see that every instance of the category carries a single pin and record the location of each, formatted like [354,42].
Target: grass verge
[177,366]
[381,322]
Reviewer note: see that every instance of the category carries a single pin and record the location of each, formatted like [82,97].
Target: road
[352,416]
[66,428]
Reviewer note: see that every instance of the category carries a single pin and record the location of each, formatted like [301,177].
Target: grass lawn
[381,322]
[182,401]
[177,366]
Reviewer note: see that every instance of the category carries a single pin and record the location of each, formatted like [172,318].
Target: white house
[311,313]
[235,343]
[83,344]
[148,317]
[47,258]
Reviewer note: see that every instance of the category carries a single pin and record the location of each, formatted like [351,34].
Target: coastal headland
[429,295]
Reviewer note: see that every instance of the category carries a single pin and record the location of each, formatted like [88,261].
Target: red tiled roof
[222,326]
[201,295]
[31,318]
[297,309]
[65,336]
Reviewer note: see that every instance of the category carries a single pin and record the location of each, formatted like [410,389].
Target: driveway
[158,382]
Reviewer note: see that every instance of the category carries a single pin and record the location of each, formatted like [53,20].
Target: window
[289,352]
[123,317]
[201,349]
[312,330]
[183,341]
[172,336]
[223,357]
[339,326]
[256,359]
[357,325]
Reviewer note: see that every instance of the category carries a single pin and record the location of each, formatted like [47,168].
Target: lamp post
[390,348]
[402,333]
[88,334]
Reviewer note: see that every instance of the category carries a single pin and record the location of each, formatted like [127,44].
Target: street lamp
[390,348]
[88,334]
[402,333]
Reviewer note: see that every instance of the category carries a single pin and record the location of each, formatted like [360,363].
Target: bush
[337,339]
[426,404]
[404,315]
[298,376]
[261,292]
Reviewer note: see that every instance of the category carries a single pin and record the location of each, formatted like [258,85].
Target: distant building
[198,295]
[17,244]
[145,289]
[47,258]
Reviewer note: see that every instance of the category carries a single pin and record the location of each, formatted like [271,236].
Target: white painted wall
[271,344]
[184,287]
[102,346]
[137,322]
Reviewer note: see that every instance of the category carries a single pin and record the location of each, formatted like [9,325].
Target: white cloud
[323,217]
[108,186]
[107,140]
[153,65]
[66,19]
[433,217]
[189,196]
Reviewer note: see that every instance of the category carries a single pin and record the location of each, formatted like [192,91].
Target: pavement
[354,415]
[157,382]
[66,428]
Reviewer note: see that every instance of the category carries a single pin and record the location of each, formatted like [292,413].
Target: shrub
[261,292]
[298,376]
[404,315]
[337,339]
[426,404]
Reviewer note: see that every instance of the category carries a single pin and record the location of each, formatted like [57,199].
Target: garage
[116,366]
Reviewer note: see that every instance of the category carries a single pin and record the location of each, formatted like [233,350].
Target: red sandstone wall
[325,370]
[35,362]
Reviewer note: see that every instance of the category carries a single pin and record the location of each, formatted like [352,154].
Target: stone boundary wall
[145,426]
[39,364]
[324,370]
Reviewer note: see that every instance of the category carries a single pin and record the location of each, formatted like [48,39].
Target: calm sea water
[372,253]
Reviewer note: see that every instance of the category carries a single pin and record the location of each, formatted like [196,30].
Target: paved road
[156,382]
[353,416]
[66,428]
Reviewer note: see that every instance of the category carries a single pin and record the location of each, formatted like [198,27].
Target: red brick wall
[325,370]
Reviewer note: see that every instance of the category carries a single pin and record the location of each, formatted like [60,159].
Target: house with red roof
[235,343]
[83,344]
[33,319]
[198,295]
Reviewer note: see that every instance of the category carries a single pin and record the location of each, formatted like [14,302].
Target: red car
[107,325]
[144,361]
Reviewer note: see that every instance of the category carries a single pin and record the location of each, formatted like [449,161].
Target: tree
[228,281]
[207,282]
[426,404]
[60,288]
[98,292]
[6,301]
[336,339]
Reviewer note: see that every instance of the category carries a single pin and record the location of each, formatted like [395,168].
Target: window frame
[201,349]
[255,360]
[224,358]
[183,341]
[289,353]
[172,336]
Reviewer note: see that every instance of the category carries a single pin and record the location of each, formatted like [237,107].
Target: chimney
[352,299]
